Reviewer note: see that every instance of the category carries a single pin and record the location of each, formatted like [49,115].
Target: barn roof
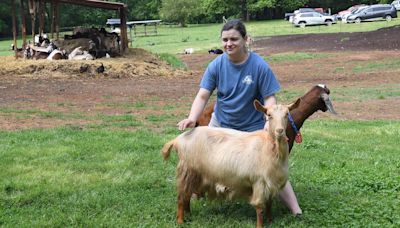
[93,3]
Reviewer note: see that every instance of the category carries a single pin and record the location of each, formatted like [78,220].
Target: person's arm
[197,108]
[268,101]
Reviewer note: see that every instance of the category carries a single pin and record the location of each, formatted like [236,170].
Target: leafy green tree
[5,19]
[254,6]
[215,10]
[143,9]
[290,5]
[179,11]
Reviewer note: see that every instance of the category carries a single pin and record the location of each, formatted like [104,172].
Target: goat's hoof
[298,216]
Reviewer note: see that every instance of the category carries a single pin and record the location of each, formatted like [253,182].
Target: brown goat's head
[319,96]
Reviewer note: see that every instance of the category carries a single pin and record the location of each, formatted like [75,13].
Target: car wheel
[388,18]
[302,24]
[328,22]
[358,20]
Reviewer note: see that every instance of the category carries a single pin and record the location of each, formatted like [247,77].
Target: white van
[396,4]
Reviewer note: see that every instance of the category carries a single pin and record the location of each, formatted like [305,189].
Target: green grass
[283,57]
[346,173]
[356,93]
[174,39]
[385,64]
[172,60]
[21,113]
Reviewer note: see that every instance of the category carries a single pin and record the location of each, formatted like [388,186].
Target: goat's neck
[302,112]
[280,145]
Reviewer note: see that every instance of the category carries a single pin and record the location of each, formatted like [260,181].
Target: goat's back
[228,156]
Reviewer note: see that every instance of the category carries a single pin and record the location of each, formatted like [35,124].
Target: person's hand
[182,125]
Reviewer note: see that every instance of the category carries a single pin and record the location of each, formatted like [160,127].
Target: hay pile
[134,63]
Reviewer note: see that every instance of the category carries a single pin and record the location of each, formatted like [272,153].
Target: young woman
[240,77]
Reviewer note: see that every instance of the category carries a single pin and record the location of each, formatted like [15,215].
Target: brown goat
[255,164]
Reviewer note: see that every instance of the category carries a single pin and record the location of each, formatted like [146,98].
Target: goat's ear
[259,107]
[294,105]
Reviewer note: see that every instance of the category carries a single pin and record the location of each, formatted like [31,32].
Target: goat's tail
[166,150]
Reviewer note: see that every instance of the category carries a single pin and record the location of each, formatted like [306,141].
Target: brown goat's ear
[259,107]
[294,105]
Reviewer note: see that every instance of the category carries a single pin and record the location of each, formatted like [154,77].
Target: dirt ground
[75,86]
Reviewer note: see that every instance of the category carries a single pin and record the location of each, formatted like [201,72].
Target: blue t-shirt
[238,86]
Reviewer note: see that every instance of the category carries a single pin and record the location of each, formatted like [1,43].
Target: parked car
[313,18]
[289,16]
[373,12]
[355,11]
[348,11]
[396,4]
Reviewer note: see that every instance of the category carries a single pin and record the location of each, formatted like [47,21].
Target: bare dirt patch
[140,77]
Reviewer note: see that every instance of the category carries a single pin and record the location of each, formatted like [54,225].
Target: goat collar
[298,138]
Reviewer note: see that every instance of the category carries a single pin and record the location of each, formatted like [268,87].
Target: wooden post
[130,35]
[14,22]
[42,5]
[53,18]
[57,20]
[23,20]
[124,34]
[32,12]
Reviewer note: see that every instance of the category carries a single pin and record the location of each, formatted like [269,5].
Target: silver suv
[313,18]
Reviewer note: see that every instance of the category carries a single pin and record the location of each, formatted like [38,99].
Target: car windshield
[358,10]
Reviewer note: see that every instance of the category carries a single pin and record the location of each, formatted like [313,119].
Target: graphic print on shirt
[248,80]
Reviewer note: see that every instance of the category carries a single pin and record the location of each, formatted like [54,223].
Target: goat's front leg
[268,206]
[186,204]
[258,201]
[259,212]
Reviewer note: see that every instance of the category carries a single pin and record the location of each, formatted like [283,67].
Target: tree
[215,10]
[143,9]
[179,11]
[254,6]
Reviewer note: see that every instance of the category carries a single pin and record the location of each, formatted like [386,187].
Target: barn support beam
[42,5]
[14,23]
[23,21]
[124,32]
[32,12]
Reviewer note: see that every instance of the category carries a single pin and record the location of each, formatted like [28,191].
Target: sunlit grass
[297,56]
[344,173]
[201,37]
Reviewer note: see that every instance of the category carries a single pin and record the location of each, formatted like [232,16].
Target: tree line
[180,12]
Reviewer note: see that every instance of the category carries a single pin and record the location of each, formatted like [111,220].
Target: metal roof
[93,3]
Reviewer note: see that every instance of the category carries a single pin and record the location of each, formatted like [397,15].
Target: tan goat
[255,164]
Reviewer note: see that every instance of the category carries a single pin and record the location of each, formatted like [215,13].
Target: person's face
[232,41]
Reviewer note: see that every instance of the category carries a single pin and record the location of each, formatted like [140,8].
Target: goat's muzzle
[279,133]
[328,103]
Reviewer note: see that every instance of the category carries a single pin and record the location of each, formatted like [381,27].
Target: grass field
[110,173]
[106,175]
[173,40]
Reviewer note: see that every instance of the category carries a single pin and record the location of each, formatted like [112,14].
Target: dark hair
[235,24]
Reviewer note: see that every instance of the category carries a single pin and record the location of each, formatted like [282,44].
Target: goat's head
[319,98]
[277,116]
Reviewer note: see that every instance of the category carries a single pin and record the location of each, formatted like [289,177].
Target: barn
[36,11]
